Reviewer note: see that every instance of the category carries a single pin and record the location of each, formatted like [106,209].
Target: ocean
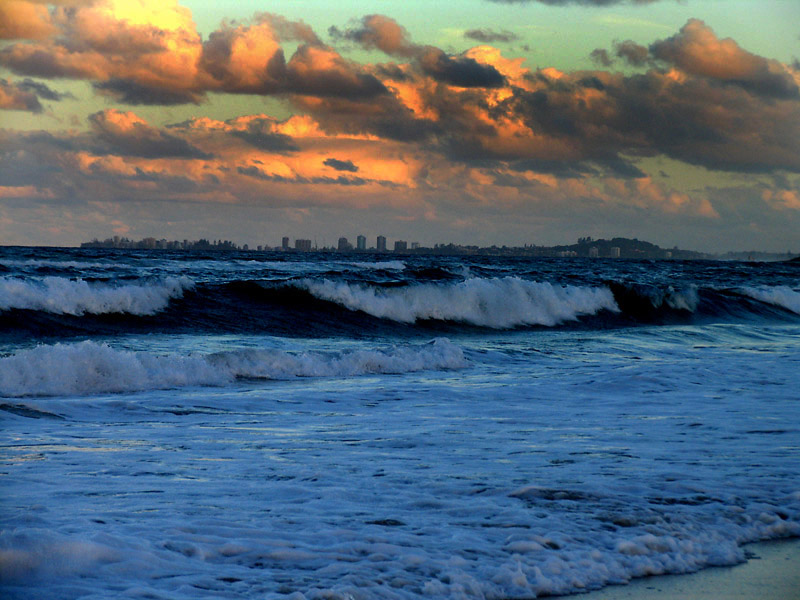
[376,426]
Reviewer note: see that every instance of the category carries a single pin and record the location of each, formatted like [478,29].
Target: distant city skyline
[486,121]
[586,247]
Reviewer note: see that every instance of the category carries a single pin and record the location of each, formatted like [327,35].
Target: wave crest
[497,303]
[782,296]
[78,297]
[89,368]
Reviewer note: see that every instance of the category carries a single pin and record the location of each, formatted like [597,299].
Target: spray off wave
[90,368]
[496,303]
[78,297]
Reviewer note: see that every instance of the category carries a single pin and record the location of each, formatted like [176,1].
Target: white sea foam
[58,264]
[387,265]
[781,295]
[90,368]
[685,299]
[77,297]
[499,303]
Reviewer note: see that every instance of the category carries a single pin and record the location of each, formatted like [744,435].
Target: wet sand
[772,573]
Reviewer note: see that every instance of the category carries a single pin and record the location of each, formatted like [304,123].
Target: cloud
[383,33]
[131,92]
[321,72]
[15,97]
[20,19]
[148,52]
[341,165]
[476,128]
[601,57]
[697,50]
[244,59]
[151,44]
[488,36]
[460,71]
[25,95]
[633,53]
[261,133]
[128,135]
[253,171]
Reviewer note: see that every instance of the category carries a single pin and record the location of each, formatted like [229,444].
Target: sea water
[292,425]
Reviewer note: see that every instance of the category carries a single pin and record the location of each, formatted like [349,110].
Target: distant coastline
[587,247]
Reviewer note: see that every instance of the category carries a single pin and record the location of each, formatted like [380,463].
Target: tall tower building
[361,243]
[381,246]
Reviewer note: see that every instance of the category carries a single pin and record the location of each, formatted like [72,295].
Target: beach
[772,571]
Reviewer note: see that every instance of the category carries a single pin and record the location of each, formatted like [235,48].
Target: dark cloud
[488,36]
[560,168]
[698,51]
[460,71]
[131,92]
[127,135]
[695,121]
[271,142]
[25,95]
[14,97]
[289,30]
[601,57]
[634,54]
[341,165]
[321,72]
[383,33]
[257,173]
[42,90]
[379,32]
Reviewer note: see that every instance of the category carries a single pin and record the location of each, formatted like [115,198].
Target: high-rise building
[302,245]
[381,246]
[400,246]
[285,243]
[361,242]
[344,245]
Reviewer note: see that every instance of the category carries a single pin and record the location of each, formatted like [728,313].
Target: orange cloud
[12,97]
[243,59]
[697,50]
[20,19]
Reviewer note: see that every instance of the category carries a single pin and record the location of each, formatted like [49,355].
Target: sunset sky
[473,122]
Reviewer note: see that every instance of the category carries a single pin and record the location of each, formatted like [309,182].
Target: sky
[488,122]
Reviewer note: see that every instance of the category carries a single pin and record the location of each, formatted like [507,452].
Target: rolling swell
[53,308]
[665,305]
[88,368]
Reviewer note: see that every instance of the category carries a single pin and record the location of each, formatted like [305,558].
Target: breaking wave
[59,295]
[782,296]
[89,368]
[496,303]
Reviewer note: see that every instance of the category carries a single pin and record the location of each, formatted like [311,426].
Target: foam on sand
[770,572]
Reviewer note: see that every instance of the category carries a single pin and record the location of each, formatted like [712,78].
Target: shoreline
[772,572]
